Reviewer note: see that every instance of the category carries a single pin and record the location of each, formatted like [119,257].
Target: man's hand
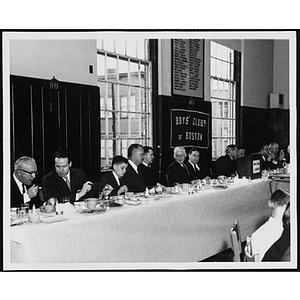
[32,191]
[85,188]
[281,155]
[122,189]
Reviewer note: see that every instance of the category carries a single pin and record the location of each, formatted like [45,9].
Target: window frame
[233,80]
[115,144]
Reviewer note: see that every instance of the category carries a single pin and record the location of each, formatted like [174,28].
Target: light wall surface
[281,70]
[67,60]
[265,69]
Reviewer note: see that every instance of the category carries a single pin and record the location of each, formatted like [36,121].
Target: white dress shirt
[20,186]
[134,166]
[265,236]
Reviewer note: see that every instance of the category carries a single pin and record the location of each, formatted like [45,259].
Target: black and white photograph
[149,150]
[156,163]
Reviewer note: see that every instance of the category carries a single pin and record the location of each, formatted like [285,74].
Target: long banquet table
[181,228]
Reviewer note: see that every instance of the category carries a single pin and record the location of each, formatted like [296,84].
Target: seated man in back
[146,168]
[64,181]
[226,165]
[177,170]
[269,232]
[197,169]
[266,158]
[277,159]
[114,178]
[133,179]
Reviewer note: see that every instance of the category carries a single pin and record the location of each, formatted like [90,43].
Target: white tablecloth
[181,228]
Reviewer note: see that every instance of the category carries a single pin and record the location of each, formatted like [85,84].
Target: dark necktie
[23,186]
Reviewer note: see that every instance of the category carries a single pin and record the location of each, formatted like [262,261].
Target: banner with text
[189,128]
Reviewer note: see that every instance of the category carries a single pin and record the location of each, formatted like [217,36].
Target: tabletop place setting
[52,211]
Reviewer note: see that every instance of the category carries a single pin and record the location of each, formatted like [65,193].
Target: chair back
[236,245]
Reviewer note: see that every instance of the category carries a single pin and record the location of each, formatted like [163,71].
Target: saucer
[96,210]
[220,187]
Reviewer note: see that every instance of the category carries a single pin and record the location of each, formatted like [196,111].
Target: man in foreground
[64,181]
[23,189]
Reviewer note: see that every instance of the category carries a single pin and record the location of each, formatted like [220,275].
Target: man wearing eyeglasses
[23,189]
[177,170]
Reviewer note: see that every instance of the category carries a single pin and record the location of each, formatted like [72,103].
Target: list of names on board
[188,67]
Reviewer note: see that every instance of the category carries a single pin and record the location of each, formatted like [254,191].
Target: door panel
[44,120]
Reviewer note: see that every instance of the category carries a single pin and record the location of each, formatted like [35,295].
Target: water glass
[24,211]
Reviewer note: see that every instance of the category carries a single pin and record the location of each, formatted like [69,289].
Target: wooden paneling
[163,135]
[263,126]
[44,120]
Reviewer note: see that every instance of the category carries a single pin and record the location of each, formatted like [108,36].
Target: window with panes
[123,70]
[223,98]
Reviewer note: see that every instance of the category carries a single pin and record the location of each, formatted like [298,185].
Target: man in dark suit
[133,179]
[177,170]
[64,181]
[23,190]
[226,165]
[115,177]
[197,169]
[277,159]
[266,158]
[146,168]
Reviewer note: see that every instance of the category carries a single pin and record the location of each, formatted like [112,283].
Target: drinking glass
[24,211]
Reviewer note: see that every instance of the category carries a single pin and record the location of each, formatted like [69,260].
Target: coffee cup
[48,208]
[33,217]
[91,203]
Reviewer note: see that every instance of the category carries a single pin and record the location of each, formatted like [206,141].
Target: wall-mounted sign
[187,66]
[189,128]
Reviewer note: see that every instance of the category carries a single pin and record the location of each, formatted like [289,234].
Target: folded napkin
[65,207]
